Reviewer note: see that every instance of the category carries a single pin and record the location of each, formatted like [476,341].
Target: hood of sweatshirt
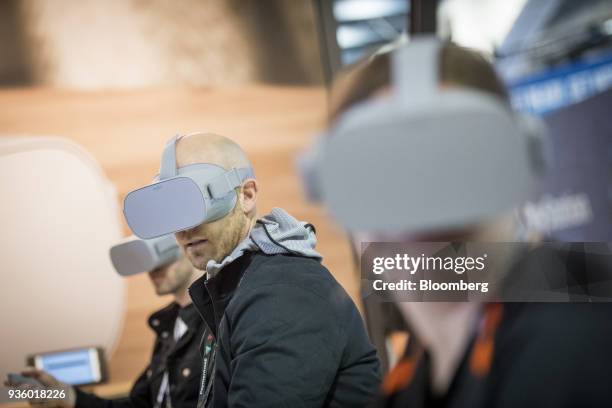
[275,233]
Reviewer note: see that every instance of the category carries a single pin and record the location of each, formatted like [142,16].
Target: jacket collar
[164,319]
[212,295]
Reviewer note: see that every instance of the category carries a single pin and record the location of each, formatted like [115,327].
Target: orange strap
[482,353]
[480,360]
[401,375]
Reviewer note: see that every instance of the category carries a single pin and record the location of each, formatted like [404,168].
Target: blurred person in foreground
[172,377]
[461,354]
[284,332]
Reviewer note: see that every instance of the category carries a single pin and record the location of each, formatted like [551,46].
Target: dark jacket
[181,359]
[545,355]
[286,334]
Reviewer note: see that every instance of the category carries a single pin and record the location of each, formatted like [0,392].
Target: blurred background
[90,91]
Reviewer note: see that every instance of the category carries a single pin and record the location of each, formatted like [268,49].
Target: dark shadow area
[14,65]
[286,39]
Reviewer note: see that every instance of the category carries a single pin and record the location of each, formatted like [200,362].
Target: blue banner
[550,90]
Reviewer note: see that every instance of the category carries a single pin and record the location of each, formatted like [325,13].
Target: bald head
[210,148]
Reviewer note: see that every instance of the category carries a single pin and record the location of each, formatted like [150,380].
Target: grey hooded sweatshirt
[281,331]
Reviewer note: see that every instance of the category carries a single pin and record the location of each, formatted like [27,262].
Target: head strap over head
[414,71]
[168,163]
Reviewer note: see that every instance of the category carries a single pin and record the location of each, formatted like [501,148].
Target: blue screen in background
[72,367]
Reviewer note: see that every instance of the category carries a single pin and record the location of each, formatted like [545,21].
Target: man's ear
[249,195]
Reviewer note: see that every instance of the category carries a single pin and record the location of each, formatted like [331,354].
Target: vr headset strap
[415,70]
[168,164]
[228,181]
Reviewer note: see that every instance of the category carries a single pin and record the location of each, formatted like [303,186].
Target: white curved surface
[59,218]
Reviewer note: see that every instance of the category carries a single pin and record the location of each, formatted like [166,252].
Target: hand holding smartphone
[79,366]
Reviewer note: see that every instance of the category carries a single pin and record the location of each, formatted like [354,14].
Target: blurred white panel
[356,36]
[351,10]
[59,218]
[479,24]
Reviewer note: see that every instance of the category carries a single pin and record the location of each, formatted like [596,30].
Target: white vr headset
[136,255]
[182,198]
[424,158]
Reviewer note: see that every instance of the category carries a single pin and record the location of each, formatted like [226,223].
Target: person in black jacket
[283,331]
[172,377]
[481,353]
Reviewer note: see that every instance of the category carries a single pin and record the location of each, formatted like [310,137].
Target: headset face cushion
[164,207]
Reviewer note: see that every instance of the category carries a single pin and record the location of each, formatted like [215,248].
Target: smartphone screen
[73,367]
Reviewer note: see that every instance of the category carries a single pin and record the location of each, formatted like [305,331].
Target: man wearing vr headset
[466,162]
[172,377]
[284,332]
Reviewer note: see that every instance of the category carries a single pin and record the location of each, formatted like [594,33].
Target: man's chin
[198,262]
[163,288]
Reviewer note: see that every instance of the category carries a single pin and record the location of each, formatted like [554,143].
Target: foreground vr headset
[424,158]
[136,255]
[182,198]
